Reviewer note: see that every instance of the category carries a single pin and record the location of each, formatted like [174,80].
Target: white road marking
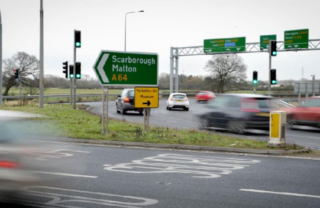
[303,136]
[56,154]
[67,174]
[280,193]
[62,198]
[206,167]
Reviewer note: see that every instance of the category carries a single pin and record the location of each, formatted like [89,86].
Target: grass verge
[63,121]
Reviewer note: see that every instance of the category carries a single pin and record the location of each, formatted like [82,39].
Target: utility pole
[0,60]
[41,78]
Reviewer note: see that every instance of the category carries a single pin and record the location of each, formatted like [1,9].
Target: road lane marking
[62,197]
[303,136]
[200,167]
[67,174]
[280,193]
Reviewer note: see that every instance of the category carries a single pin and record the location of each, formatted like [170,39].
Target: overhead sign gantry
[295,40]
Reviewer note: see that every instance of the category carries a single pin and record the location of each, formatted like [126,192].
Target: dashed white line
[280,193]
[68,174]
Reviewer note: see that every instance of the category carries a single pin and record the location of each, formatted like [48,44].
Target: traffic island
[61,121]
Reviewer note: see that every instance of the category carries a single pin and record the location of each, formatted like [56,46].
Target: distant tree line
[227,73]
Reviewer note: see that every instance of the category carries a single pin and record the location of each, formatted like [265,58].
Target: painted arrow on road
[147,103]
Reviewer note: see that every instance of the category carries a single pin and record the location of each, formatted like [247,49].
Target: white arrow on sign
[100,68]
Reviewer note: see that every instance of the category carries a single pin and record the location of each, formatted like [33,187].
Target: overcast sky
[164,24]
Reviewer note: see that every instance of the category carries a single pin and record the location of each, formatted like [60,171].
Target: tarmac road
[180,119]
[105,176]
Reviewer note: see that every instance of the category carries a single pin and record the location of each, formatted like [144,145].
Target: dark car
[125,102]
[237,113]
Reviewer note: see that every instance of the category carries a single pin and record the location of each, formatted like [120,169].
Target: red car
[307,114]
[205,96]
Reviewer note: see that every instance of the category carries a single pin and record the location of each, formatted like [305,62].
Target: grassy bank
[63,121]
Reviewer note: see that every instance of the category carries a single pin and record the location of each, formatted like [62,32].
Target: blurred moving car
[237,113]
[205,96]
[125,102]
[307,114]
[20,165]
[178,100]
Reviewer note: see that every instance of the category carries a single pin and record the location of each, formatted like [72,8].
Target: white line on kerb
[68,174]
[280,193]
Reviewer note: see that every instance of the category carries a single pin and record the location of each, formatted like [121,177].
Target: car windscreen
[312,103]
[130,93]
[179,96]
[264,103]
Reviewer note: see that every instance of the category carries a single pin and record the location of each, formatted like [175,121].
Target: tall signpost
[115,68]
[41,74]
[0,60]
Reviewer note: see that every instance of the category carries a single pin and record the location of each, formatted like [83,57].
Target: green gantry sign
[264,40]
[114,68]
[224,45]
[296,39]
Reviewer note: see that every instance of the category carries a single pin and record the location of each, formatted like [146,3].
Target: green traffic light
[71,76]
[255,81]
[274,81]
[274,53]
[78,44]
[78,76]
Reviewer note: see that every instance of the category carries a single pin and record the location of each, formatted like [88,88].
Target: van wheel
[237,127]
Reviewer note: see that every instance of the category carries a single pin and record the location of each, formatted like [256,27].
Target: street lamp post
[125,29]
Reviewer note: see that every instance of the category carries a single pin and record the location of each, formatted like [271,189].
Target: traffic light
[71,71]
[255,78]
[273,50]
[65,67]
[273,74]
[16,73]
[78,70]
[77,39]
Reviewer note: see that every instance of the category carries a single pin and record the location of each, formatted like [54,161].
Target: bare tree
[226,69]
[28,71]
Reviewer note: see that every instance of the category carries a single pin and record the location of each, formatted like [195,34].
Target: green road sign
[115,68]
[296,39]
[264,40]
[225,44]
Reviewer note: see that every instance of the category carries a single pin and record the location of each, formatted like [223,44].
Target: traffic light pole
[41,73]
[74,74]
[71,85]
[269,83]
[20,87]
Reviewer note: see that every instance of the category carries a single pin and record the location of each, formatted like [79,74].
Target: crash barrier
[285,97]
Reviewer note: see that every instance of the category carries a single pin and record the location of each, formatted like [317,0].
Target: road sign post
[127,69]
[146,97]
[295,39]
[224,45]
[115,68]
[265,39]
